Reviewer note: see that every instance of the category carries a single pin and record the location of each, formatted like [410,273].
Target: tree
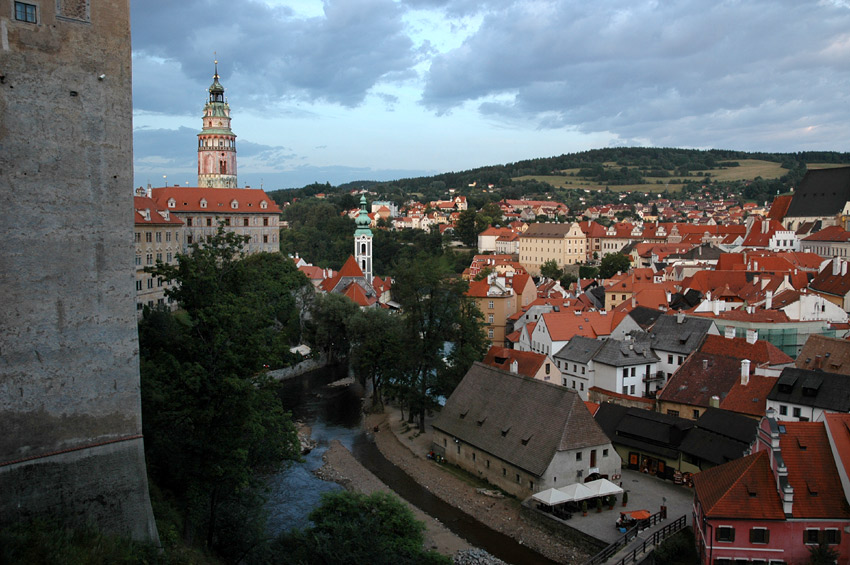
[466,229]
[612,264]
[433,315]
[352,528]
[327,329]
[551,270]
[375,336]
[822,554]
[211,418]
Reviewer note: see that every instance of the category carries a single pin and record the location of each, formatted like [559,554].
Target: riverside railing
[653,540]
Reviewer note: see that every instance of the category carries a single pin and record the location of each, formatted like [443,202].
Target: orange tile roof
[142,203]
[565,325]
[743,488]
[751,398]
[528,362]
[838,430]
[188,199]
[812,471]
[761,352]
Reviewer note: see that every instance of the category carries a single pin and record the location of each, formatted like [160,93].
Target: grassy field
[748,169]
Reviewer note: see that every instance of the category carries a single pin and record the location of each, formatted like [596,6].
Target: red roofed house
[833,283]
[351,282]
[158,237]
[832,241]
[773,506]
[527,363]
[555,329]
[497,301]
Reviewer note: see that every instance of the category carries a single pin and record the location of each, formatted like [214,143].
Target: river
[334,412]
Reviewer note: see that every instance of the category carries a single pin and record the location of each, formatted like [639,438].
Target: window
[490,318]
[159,257]
[138,259]
[518,479]
[582,370]
[490,304]
[189,222]
[696,414]
[138,238]
[578,456]
[168,257]
[150,283]
[189,239]
[490,333]
[633,371]
[245,222]
[581,385]
[265,221]
[25,12]
[681,359]
[832,537]
[759,535]
[724,533]
[227,221]
[148,237]
[796,412]
[504,472]
[209,221]
[266,238]
[604,453]
[149,259]
[547,368]
[632,390]
[783,410]
[138,285]
[159,282]
[811,536]
[159,237]
[673,412]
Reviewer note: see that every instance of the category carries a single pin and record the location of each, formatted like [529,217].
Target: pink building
[771,507]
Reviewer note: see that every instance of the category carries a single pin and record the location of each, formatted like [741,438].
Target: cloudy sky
[341,90]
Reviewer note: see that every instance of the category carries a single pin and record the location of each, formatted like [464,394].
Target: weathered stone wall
[69,367]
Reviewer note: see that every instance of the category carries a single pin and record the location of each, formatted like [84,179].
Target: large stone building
[565,244]
[217,200]
[71,444]
[158,238]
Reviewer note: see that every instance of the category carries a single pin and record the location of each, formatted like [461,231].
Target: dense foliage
[211,418]
[352,529]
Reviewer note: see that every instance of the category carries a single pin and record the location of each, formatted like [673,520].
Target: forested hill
[624,167]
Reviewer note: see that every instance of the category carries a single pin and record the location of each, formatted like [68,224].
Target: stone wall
[69,367]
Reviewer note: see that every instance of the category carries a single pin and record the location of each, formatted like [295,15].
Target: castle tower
[363,241]
[217,142]
[71,443]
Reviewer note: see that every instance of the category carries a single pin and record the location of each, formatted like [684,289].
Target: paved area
[645,493]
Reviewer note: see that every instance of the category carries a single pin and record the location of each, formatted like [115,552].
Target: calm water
[333,412]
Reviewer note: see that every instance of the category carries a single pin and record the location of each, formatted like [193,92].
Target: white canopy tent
[603,487]
[577,492]
[550,497]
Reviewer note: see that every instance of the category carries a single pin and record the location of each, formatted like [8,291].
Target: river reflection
[332,412]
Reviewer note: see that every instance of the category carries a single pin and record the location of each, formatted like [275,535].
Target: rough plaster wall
[69,368]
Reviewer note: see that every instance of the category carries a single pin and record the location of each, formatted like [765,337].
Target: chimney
[705,364]
[768,300]
[745,372]
[715,307]
[836,266]
[514,367]
[149,191]
[634,301]
[714,402]
[752,336]
[730,332]
[680,317]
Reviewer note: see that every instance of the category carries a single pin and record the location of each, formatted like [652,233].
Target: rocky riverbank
[406,450]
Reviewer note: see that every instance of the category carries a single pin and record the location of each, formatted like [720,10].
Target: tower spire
[217,142]
[363,240]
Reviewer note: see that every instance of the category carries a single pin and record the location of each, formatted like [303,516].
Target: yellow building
[497,301]
[566,244]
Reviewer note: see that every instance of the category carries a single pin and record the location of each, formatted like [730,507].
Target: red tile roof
[761,352]
[143,203]
[751,398]
[528,362]
[743,488]
[779,207]
[188,199]
[812,471]
[830,233]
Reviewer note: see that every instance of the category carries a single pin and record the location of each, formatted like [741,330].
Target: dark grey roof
[645,430]
[828,391]
[645,317]
[704,252]
[626,353]
[729,424]
[712,447]
[579,349]
[822,192]
[685,336]
[519,420]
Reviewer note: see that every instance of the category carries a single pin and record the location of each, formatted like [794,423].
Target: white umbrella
[576,492]
[550,497]
[603,487]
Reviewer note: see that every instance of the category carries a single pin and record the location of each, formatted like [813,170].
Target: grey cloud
[661,71]
[335,58]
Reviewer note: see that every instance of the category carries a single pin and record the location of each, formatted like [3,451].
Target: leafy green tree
[466,229]
[567,279]
[613,263]
[327,329]
[353,528]
[376,345]
[551,270]
[823,554]
[211,418]
[469,344]
[432,309]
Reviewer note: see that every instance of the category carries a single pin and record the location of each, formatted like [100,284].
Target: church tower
[216,142]
[363,241]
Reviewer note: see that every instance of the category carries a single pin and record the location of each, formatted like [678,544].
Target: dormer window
[264,204]
[203,202]
[172,203]
[234,204]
